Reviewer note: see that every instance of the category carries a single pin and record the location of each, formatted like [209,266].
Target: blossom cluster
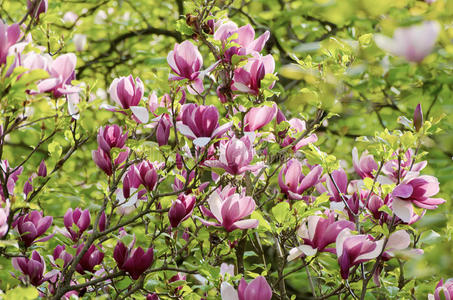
[227,166]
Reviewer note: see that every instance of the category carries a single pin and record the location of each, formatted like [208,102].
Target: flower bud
[418,117]
[42,171]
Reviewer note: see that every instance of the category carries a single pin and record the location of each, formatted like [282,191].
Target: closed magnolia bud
[28,187]
[179,163]
[102,221]
[418,117]
[42,171]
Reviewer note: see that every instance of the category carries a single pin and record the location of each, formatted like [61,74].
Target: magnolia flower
[248,78]
[110,137]
[34,10]
[341,182]
[80,41]
[103,161]
[317,233]
[163,129]
[4,214]
[42,170]
[397,169]
[364,166]
[134,261]
[186,61]
[31,226]
[33,269]
[229,208]
[413,43]
[444,290]
[12,179]
[235,156]
[226,269]
[9,35]
[201,123]
[297,127]
[245,39]
[152,296]
[258,117]
[127,93]
[355,249]
[415,191]
[181,209]
[62,72]
[76,218]
[91,258]
[418,117]
[293,182]
[257,289]
[146,173]
[60,253]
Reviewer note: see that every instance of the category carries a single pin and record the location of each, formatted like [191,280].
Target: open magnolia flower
[415,191]
[229,208]
[413,43]
[317,233]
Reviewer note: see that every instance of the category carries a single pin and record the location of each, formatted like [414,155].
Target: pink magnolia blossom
[127,93]
[364,166]
[134,261]
[297,127]
[201,123]
[415,191]
[9,35]
[33,269]
[31,226]
[395,170]
[42,170]
[4,214]
[146,173]
[12,178]
[103,161]
[62,72]
[293,182]
[257,289]
[35,10]
[235,156]
[229,208]
[413,43]
[110,137]
[418,117]
[355,249]
[76,218]
[258,117]
[181,209]
[186,61]
[80,41]
[60,253]
[163,129]
[376,202]
[91,258]
[317,233]
[245,39]
[444,290]
[247,79]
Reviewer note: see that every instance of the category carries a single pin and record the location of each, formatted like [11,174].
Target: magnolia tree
[211,190]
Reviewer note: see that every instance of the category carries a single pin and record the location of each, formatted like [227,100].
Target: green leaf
[281,211]
[22,293]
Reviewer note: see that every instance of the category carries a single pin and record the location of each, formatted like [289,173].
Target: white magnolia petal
[227,292]
[141,113]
